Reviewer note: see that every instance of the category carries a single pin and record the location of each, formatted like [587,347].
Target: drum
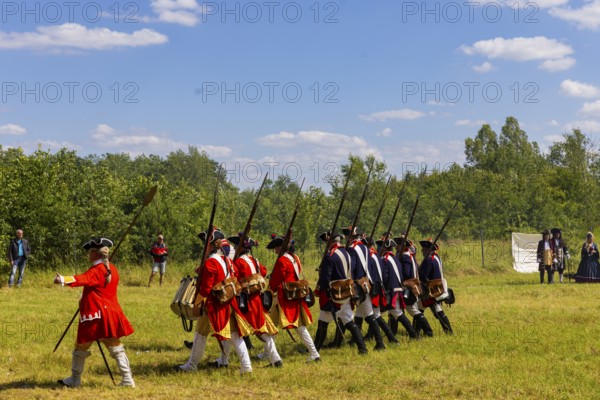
[183,302]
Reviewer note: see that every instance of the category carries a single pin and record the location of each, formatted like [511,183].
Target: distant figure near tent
[589,267]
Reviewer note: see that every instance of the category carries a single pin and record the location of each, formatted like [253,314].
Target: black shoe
[318,359]
[188,344]
[215,364]
[276,364]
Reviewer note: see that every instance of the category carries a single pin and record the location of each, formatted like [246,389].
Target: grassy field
[514,338]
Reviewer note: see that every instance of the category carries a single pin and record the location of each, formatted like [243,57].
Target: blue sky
[294,87]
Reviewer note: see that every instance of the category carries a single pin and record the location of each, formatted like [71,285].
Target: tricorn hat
[325,236]
[390,243]
[217,234]
[97,243]
[407,242]
[276,241]
[554,231]
[428,243]
[249,242]
[545,232]
[351,232]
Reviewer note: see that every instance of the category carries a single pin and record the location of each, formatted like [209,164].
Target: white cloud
[553,122]
[12,129]
[573,88]
[72,36]
[554,138]
[386,132]
[560,64]
[592,109]
[381,116]
[551,52]
[440,103]
[182,12]
[468,122]
[317,145]
[483,68]
[139,141]
[585,17]
[586,126]
[53,145]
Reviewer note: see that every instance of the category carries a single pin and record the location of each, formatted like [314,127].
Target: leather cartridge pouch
[435,287]
[341,290]
[295,290]
[227,289]
[253,284]
[414,285]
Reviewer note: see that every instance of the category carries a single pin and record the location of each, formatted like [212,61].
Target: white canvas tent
[524,251]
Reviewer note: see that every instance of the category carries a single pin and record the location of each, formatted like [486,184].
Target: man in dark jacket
[18,251]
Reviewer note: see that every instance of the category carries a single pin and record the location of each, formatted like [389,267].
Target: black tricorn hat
[428,243]
[545,232]
[249,242]
[217,234]
[407,242]
[97,243]
[325,236]
[276,241]
[388,243]
[554,231]
[350,232]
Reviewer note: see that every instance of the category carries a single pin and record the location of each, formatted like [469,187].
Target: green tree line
[507,184]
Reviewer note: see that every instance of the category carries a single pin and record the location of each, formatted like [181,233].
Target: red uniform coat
[246,266]
[283,271]
[101,315]
[220,314]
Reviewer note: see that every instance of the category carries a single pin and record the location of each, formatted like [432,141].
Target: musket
[335,220]
[371,237]
[147,200]
[440,232]
[410,221]
[389,229]
[209,233]
[248,226]
[288,234]
[362,200]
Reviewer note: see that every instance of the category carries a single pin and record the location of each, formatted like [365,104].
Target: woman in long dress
[589,267]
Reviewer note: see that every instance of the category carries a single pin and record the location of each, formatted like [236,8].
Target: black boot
[542,276]
[369,334]
[248,343]
[407,325]
[358,321]
[445,322]
[423,324]
[393,324]
[379,345]
[339,337]
[550,277]
[321,334]
[358,338]
[387,330]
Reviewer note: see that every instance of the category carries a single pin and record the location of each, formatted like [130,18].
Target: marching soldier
[229,251]
[362,272]
[431,275]
[252,271]
[392,275]
[226,319]
[561,252]
[101,317]
[545,257]
[290,313]
[337,266]
[412,285]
